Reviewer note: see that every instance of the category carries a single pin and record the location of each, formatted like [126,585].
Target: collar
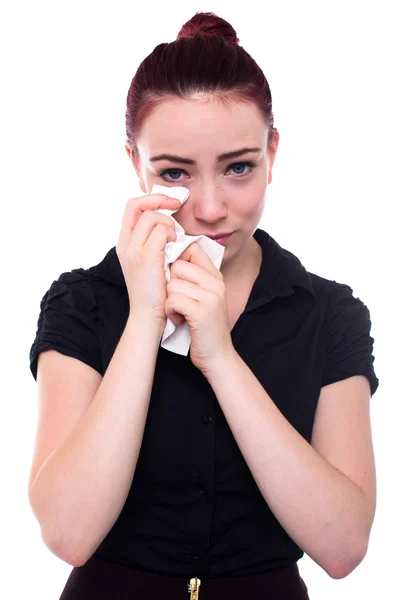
[280,273]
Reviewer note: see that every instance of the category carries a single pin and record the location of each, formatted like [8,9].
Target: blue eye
[170,171]
[176,171]
[240,165]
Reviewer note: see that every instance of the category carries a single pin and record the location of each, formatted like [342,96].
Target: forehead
[198,124]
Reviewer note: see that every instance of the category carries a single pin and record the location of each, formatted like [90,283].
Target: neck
[247,265]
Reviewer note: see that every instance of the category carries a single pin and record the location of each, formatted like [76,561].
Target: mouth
[221,239]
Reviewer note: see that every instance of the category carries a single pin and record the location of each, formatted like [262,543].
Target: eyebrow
[189,161]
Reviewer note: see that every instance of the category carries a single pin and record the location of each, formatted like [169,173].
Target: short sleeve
[349,345]
[68,322]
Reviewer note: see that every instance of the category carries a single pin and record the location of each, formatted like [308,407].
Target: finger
[134,209]
[181,286]
[194,254]
[177,318]
[151,206]
[183,270]
[148,221]
[180,304]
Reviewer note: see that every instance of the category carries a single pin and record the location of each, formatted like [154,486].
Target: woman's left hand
[196,293]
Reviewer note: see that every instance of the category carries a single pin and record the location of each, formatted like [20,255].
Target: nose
[207,203]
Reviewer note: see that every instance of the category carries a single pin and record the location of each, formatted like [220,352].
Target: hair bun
[209,25]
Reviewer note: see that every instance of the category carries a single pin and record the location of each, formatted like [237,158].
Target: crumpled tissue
[176,338]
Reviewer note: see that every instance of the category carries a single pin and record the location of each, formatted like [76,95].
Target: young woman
[157,474]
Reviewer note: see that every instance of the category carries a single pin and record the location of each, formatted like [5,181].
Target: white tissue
[176,338]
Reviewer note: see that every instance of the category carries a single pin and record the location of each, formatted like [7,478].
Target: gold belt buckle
[194,588]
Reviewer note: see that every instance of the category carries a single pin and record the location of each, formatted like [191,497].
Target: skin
[220,199]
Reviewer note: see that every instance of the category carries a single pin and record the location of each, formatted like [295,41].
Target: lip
[219,236]
[222,239]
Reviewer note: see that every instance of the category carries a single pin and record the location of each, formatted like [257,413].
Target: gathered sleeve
[349,345]
[68,322]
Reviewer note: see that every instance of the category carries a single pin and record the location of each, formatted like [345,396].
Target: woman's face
[227,194]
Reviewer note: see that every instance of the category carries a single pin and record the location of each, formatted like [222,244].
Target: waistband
[104,580]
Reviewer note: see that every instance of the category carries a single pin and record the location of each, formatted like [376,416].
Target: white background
[66,69]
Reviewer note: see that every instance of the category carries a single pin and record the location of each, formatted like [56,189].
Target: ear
[272,153]
[136,163]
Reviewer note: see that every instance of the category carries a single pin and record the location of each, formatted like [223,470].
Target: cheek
[149,180]
[251,202]
[257,202]
[252,208]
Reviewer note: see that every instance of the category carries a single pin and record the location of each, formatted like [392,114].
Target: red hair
[204,58]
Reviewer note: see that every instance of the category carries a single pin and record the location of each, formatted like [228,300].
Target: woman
[154,473]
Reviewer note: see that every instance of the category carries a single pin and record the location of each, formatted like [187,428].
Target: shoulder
[73,289]
[347,340]
[328,287]
[85,283]
[342,309]
[337,298]
[68,321]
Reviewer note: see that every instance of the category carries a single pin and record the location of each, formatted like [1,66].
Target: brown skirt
[99,579]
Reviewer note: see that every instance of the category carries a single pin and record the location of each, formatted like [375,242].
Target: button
[207,419]
[196,555]
[202,489]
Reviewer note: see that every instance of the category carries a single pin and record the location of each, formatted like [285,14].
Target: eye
[249,164]
[173,172]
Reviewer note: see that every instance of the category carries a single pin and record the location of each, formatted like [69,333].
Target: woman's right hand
[140,250]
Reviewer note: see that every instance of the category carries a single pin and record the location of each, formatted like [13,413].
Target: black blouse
[193,505]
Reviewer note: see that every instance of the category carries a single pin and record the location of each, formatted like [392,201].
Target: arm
[81,488]
[322,510]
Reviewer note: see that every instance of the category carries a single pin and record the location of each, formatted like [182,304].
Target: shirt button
[207,419]
[202,489]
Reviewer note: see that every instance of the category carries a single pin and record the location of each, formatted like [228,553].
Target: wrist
[221,364]
[146,322]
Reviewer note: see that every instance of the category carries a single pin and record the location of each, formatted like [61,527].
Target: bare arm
[326,512]
[81,488]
